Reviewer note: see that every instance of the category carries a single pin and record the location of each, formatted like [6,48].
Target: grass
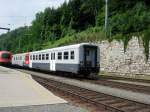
[90,35]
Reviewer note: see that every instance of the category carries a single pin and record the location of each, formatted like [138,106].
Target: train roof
[19,54]
[64,47]
[4,52]
[58,48]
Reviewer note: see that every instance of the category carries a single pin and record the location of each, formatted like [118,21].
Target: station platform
[20,93]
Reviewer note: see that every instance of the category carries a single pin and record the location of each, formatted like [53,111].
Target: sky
[17,13]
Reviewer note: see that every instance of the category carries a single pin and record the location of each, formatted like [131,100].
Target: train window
[59,55]
[87,52]
[66,55]
[52,56]
[39,56]
[43,57]
[72,55]
[33,57]
[6,56]
[36,57]
[47,56]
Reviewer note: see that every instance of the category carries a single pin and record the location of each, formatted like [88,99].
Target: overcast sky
[16,13]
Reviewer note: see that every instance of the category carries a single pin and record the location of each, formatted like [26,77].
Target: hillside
[82,21]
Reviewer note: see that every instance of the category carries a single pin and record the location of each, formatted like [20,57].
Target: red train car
[5,57]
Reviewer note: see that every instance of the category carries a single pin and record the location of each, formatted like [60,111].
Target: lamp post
[106,15]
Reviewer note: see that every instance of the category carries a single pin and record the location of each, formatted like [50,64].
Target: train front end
[89,59]
[5,57]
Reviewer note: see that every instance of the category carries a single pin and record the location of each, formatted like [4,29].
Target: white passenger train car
[79,59]
[18,59]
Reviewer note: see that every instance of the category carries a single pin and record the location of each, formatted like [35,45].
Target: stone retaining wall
[114,59]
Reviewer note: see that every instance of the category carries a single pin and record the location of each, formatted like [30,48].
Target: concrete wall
[133,61]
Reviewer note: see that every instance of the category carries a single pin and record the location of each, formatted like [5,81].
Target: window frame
[40,57]
[66,56]
[30,57]
[53,56]
[59,55]
[72,55]
[34,57]
[47,56]
[43,56]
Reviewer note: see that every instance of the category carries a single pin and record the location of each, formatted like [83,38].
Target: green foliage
[146,41]
[133,20]
[89,35]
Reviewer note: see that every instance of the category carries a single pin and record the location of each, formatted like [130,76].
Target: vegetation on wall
[146,42]
[82,21]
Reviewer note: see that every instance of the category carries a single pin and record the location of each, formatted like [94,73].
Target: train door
[52,61]
[30,64]
[90,57]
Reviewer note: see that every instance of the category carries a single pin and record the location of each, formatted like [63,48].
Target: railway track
[125,78]
[98,100]
[120,85]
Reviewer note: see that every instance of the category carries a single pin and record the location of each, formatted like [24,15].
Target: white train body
[79,59]
[18,59]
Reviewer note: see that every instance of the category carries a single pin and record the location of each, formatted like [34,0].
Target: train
[80,58]
[5,58]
